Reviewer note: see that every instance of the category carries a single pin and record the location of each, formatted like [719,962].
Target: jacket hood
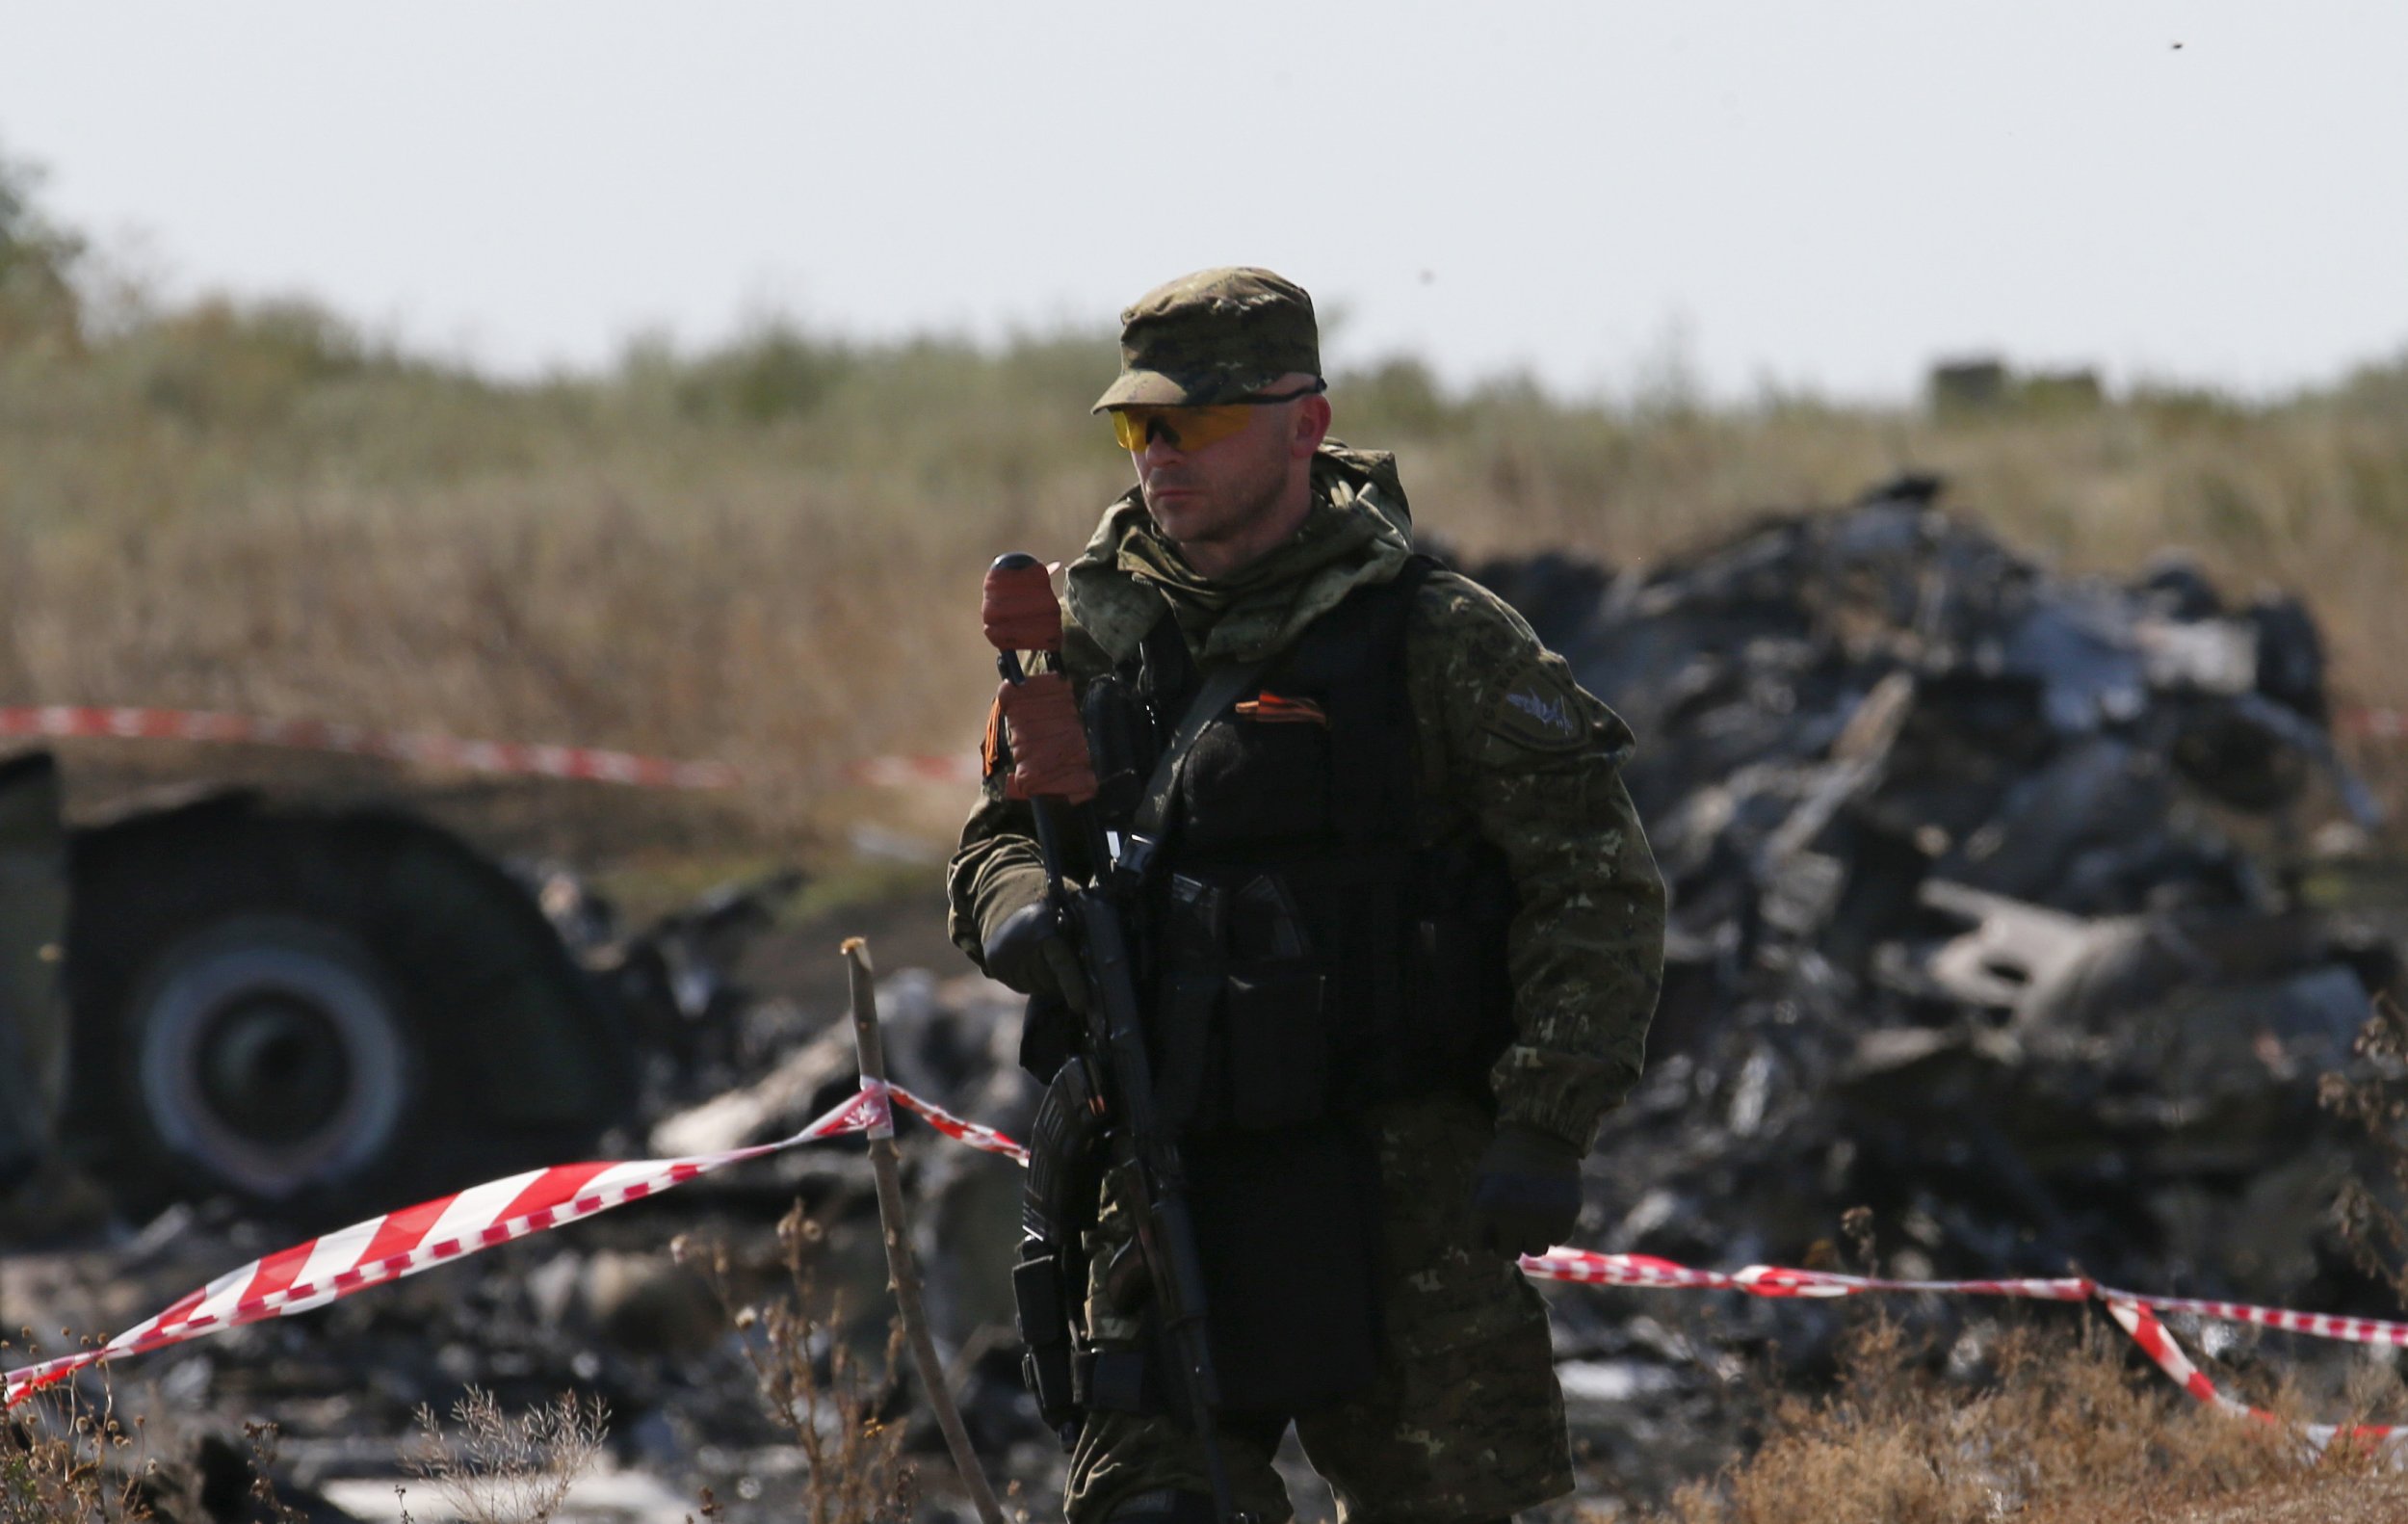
[1358,532]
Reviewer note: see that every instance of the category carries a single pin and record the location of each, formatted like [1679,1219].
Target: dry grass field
[2064,1429]
[770,553]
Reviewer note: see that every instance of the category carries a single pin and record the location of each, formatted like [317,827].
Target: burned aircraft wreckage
[1962,928]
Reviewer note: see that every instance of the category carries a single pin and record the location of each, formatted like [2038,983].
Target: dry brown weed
[2066,1428]
[486,1466]
[815,1385]
[66,1458]
[63,1460]
[2372,1208]
[771,554]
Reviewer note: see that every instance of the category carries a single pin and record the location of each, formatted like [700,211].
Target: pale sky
[1826,194]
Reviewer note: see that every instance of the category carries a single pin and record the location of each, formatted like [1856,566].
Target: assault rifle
[1102,1097]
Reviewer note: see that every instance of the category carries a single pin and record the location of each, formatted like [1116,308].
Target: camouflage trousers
[1465,1421]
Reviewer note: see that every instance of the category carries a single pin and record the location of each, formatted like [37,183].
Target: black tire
[320,1015]
[272,1060]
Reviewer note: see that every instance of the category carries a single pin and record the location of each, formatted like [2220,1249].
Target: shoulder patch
[1542,709]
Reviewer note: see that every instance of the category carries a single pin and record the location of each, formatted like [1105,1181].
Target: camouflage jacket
[1506,745]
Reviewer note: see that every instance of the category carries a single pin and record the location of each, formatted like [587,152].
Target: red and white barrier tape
[2138,1317]
[986,1140]
[513,758]
[59,721]
[901,772]
[2355,723]
[2371,724]
[1584,1266]
[313,1273]
[517,758]
[2135,1313]
[321,1269]
[905,770]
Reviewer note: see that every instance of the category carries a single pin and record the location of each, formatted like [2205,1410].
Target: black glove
[1525,1196]
[1026,950]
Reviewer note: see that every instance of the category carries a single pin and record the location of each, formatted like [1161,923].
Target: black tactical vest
[1311,952]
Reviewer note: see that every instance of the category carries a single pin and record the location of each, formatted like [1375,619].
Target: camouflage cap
[1212,337]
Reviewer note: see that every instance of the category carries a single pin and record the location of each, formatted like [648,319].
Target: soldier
[1405,939]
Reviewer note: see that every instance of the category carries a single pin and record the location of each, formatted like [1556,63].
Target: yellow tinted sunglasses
[1194,428]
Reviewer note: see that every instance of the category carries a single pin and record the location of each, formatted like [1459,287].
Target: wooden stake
[903,1267]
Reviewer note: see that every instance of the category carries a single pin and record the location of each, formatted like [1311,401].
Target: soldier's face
[1225,492]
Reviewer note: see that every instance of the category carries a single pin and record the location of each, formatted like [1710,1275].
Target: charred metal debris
[1963,926]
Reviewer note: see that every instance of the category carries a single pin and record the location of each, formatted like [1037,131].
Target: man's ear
[1312,426]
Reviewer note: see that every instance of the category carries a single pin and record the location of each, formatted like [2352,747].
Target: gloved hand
[1525,1194]
[1028,952]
